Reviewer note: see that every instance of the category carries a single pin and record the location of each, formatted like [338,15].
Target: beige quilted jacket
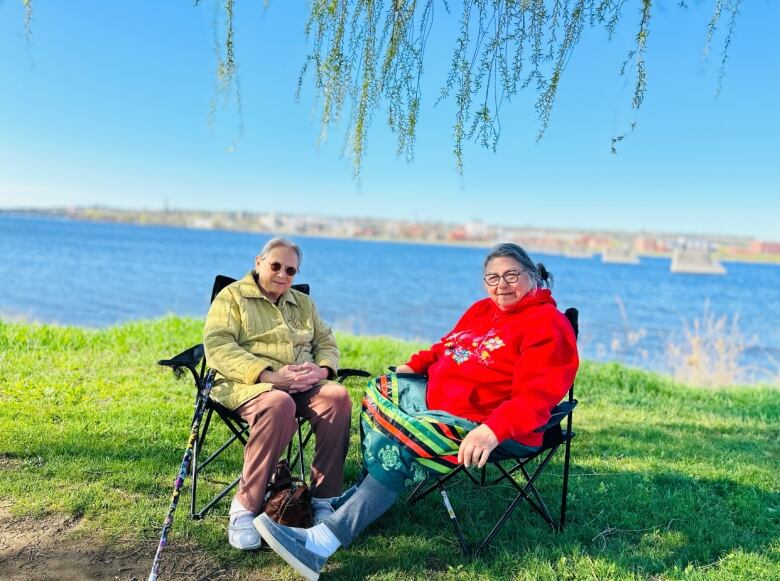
[246,333]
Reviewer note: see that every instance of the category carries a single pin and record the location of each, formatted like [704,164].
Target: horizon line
[126,209]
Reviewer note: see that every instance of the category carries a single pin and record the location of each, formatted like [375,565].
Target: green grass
[667,481]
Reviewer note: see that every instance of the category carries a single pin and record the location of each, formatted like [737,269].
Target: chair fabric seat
[223,411]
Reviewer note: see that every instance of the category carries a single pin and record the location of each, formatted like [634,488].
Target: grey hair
[539,275]
[276,242]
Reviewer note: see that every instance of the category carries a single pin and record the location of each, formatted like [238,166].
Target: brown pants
[271,417]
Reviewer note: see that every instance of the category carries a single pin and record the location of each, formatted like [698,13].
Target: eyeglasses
[510,277]
[291,271]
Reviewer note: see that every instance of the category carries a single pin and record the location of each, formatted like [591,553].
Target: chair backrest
[573,315]
[574,318]
[221,281]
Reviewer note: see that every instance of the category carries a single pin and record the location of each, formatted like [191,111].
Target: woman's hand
[404,369]
[281,379]
[476,447]
[309,374]
[294,378]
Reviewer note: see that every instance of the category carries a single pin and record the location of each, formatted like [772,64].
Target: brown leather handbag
[288,499]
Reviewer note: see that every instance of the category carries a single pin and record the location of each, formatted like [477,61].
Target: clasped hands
[295,378]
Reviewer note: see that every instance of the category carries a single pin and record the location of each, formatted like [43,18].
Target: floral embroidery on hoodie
[463,346]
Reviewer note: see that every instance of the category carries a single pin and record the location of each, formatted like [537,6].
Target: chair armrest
[342,374]
[189,358]
[557,415]
[393,368]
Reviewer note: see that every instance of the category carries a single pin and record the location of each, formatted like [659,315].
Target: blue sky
[108,104]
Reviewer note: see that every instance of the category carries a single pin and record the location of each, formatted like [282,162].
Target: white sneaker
[242,534]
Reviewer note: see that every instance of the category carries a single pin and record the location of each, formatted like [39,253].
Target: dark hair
[540,276]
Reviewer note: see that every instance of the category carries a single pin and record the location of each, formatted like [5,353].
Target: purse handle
[284,483]
[294,498]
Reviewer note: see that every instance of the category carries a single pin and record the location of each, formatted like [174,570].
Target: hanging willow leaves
[368,52]
[365,53]
[228,86]
[28,14]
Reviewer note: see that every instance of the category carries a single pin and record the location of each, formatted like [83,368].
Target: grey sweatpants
[370,501]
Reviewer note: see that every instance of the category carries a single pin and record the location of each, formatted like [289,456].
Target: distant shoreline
[146,218]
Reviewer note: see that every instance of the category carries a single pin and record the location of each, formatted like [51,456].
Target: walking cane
[200,407]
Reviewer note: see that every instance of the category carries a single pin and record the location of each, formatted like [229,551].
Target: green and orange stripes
[433,443]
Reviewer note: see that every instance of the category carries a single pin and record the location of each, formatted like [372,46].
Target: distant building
[759,247]
[476,230]
[650,245]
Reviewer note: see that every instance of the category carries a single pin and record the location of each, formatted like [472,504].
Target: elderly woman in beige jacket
[274,356]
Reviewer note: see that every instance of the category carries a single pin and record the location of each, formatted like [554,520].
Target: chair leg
[205,428]
[195,470]
[499,525]
[238,434]
[416,495]
[453,519]
[476,482]
[512,470]
[413,496]
[216,499]
[300,452]
[237,429]
[522,495]
[290,461]
[564,493]
[546,513]
[523,490]
[217,452]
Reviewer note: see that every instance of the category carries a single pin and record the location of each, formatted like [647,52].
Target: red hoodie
[506,369]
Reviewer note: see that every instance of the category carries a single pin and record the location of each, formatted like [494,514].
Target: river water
[98,274]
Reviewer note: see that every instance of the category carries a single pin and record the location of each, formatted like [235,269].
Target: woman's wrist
[266,376]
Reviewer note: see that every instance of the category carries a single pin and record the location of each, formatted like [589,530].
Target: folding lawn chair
[194,360]
[554,437]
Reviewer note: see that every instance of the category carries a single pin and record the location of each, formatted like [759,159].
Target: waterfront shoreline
[343,335]
[80,215]
[635,314]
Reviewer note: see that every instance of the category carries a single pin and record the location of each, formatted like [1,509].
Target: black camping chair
[193,359]
[554,437]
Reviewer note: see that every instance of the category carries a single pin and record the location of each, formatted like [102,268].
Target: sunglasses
[289,271]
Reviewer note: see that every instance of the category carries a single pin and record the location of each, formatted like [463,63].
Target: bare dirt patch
[47,548]
[8,463]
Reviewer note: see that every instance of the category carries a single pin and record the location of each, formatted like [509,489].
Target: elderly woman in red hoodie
[489,382]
